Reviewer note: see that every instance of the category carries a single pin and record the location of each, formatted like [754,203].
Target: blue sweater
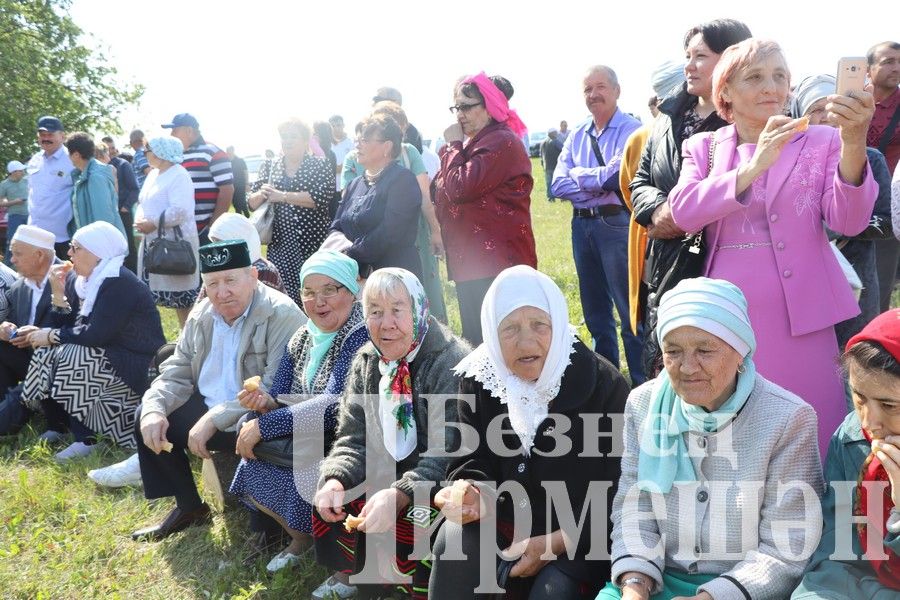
[124,323]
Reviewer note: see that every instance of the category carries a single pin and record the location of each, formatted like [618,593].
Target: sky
[241,68]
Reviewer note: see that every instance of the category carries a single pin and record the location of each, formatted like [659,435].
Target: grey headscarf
[667,78]
[809,91]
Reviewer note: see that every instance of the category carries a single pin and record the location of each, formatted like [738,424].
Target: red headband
[883,329]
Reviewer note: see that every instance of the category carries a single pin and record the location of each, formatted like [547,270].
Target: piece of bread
[802,125]
[351,523]
[167,446]
[458,491]
[251,384]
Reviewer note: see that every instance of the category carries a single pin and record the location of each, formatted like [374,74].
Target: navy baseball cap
[49,124]
[182,120]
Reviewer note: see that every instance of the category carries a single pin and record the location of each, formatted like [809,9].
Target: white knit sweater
[740,520]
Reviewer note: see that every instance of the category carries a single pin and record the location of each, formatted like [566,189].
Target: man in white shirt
[50,184]
[239,331]
[28,309]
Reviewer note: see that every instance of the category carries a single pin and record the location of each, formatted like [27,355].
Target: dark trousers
[62,250]
[887,254]
[169,473]
[13,365]
[451,579]
[59,420]
[470,295]
[128,223]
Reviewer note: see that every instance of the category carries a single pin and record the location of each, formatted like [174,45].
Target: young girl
[863,474]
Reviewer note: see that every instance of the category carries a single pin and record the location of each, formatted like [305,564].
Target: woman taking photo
[710,444]
[533,372]
[302,403]
[385,409]
[864,459]
[168,194]
[299,186]
[761,209]
[377,220]
[689,111]
[482,194]
[90,368]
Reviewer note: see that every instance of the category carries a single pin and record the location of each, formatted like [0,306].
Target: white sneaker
[282,560]
[127,472]
[75,450]
[332,588]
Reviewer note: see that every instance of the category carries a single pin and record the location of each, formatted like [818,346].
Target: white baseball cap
[13,166]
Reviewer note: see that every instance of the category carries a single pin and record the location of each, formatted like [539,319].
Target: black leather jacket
[661,160]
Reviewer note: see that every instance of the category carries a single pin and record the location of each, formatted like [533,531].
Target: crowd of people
[747,239]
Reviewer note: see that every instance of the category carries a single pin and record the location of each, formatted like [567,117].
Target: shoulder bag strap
[697,239]
[596,148]
[889,130]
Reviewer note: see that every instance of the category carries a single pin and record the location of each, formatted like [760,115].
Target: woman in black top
[377,220]
[681,115]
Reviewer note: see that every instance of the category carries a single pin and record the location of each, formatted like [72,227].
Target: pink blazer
[803,189]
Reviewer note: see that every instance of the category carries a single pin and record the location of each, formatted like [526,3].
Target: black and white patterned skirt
[81,380]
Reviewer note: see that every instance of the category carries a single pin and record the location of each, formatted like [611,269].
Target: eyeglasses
[363,140]
[464,108]
[328,291]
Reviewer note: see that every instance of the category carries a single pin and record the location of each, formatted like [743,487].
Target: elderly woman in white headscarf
[721,456]
[90,367]
[167,199]
[809,99]
[543,385]
[232,226]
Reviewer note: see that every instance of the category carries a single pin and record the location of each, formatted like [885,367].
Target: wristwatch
[634,579]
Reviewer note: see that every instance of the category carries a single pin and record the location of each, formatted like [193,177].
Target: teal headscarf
[345,271]
[717,307]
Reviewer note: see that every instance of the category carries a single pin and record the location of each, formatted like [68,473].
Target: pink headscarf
[496,103]
[315,147]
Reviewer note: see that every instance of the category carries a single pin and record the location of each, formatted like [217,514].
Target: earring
[742,369]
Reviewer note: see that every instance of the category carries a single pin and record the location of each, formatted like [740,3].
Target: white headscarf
[109,245]
[528,401]
[232,226]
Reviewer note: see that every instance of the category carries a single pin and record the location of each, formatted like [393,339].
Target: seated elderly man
[28,310]
[238,331]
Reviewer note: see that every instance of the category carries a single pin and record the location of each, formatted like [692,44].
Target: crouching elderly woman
[861,558]
[545,386]
[277,475]
[90,367]
[393,432]
[721,474]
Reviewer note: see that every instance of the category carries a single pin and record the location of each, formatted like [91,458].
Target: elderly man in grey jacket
[239,331]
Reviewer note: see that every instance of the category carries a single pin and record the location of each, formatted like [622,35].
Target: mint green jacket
[834,579]
[94,197]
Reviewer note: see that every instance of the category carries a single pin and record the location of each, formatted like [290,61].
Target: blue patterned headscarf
[716,307]
[167,148]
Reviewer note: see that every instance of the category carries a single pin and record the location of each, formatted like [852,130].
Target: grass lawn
[62,537]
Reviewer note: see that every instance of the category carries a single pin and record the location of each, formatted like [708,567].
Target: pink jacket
[803,189]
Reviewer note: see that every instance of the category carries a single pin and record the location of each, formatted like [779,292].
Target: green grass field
[62,537]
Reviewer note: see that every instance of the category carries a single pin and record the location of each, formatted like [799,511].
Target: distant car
[254,161]
[534,143]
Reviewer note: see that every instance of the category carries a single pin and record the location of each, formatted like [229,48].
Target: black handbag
[170,257]
[687,261]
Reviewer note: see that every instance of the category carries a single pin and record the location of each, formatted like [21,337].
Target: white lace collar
[527,403]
